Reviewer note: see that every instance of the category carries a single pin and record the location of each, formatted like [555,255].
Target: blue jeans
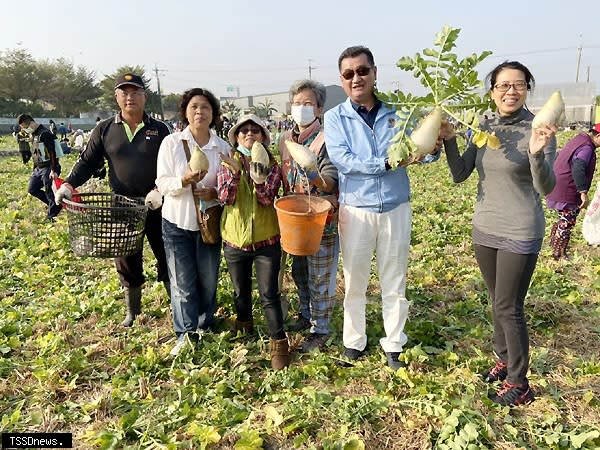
[40,186]
[193,271]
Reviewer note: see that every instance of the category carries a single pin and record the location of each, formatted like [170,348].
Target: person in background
[250,231]
[129,142]
[508,225]
[23,139]
[52,127]
[193,265]
[62,131]
[374,212]
[46,166]
[313,275]
[574,170]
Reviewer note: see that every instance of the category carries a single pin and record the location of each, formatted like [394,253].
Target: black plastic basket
[105,225]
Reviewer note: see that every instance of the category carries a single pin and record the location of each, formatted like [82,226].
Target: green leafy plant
[454,89]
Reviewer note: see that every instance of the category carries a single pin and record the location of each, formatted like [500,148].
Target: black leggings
[507,276]
[266,261]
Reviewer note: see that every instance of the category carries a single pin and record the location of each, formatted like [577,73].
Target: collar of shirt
[187,135]
[131,134]
[367,115]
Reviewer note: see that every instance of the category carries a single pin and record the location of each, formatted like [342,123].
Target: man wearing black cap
[129,142]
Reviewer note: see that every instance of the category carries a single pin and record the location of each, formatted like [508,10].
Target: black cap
[131,79]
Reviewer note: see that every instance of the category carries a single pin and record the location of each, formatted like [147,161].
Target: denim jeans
[266,261]
[40,186]
[193,271]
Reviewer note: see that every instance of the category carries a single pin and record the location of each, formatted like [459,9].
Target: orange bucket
[301,229]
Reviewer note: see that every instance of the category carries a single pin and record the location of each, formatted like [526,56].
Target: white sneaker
[177,348]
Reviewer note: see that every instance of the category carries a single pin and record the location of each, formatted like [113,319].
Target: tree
[43,87]
[231,110]
[264,110]
[18,75]
[71,90]
[171,103]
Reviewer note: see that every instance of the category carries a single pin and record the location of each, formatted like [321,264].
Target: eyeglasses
[362,71]
[505,86]
[253,130]
[125,94]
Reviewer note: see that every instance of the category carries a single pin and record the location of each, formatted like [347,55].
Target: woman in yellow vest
[250,231]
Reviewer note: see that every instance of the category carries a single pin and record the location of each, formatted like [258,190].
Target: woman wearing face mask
[314,275]
[508,225]
[250,231]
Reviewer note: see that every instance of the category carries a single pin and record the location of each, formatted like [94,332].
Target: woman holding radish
[193,264]
[508,224]
[248,182]
[314,275]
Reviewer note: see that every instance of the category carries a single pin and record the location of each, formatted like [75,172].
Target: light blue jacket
[359,154]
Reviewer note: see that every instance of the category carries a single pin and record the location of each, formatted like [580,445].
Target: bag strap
[188,155]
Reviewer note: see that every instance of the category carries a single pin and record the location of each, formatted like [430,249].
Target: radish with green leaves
[453,92]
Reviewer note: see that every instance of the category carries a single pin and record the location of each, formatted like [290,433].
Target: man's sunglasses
[362,71]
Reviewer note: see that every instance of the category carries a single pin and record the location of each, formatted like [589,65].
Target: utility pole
[162,111]
[579,49]
[310,68]
[588,74]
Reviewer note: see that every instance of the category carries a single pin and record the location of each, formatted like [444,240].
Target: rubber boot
[245,327]
[280,353]
[133,298]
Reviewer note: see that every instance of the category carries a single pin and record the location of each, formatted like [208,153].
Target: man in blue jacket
[375,213]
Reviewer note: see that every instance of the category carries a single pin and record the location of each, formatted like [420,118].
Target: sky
[258,47]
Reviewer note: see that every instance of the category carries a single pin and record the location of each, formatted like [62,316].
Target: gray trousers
[507,276]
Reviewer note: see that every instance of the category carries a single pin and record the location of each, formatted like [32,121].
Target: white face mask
[29,130]
[303,115]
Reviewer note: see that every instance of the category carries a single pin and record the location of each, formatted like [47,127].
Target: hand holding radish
[192,177]
[232,164]
[540,138]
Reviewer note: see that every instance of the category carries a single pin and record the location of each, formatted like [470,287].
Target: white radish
[198,161]
[551,113]
[426,135]
[302,155]
[259,154]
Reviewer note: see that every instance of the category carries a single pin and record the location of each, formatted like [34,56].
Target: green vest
[246,221]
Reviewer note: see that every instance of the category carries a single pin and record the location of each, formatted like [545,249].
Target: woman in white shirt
[193,265]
